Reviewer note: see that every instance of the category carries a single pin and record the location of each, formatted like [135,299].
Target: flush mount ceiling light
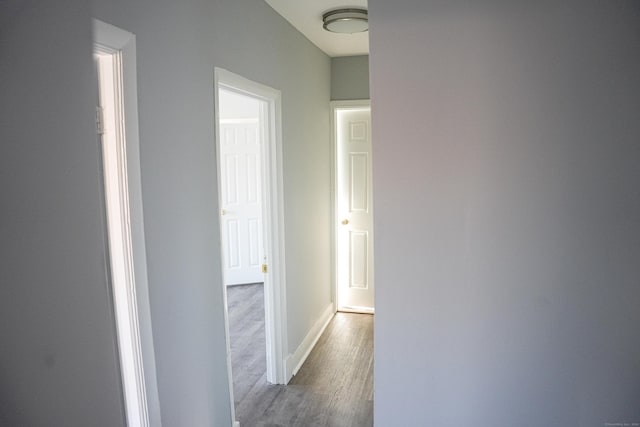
[348,21]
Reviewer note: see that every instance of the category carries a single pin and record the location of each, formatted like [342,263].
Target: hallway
[333,388]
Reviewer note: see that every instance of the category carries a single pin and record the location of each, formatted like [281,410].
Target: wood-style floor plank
[334,387]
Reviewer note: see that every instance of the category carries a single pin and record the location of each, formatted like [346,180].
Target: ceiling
[306,17]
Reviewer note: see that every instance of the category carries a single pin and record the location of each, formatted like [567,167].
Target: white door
[241,205]
[354,209]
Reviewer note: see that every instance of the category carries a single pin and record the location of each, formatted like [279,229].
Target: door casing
[273,220]
[142,405]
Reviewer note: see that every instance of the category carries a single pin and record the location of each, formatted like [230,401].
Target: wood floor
[333,388]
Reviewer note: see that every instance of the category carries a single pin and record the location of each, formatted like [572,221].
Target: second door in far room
[240,174]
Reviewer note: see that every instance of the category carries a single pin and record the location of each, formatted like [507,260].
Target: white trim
[357,309]
[354,104]
[273,220]
[118,46]
[295,360]
[236,424]
[238,121]
[335,106]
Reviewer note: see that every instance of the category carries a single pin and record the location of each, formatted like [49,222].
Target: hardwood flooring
[334,387]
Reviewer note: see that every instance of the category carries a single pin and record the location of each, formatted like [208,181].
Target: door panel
[231,179]
[358,180]
[358,260]
[252,178]
[233,241]
[355,226]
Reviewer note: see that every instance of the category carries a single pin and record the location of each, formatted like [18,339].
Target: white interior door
[241,201]
[354,209]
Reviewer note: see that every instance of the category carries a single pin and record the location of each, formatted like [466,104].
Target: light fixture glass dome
[346,21]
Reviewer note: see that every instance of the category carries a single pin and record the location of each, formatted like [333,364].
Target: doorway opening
[116,126]
[250,189]
[353,253]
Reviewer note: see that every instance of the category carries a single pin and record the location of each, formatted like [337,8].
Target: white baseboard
[295,360]
[357,309]
[236,424]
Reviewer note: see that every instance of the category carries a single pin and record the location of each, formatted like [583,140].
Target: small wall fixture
[346,21]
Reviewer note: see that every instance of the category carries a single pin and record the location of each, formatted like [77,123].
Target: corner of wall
[294,361]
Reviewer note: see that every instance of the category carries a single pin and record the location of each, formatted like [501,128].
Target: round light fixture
[346,21]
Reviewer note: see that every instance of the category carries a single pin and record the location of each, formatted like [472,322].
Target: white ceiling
[306,17]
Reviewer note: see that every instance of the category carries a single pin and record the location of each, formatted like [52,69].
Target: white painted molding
[295,360]
[357,309]
[351,103]
[120,45]
[238,121]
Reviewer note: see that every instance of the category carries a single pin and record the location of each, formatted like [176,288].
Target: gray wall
[350,77]
[507,221]
[59,365]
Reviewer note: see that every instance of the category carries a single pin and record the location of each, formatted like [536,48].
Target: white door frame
[273,219]
[335,106]
[131,292]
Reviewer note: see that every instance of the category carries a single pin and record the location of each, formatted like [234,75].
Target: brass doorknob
[345,221]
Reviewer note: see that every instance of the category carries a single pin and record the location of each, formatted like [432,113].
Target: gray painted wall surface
[350,77]
[58,362]
[59,365]
[507,212]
